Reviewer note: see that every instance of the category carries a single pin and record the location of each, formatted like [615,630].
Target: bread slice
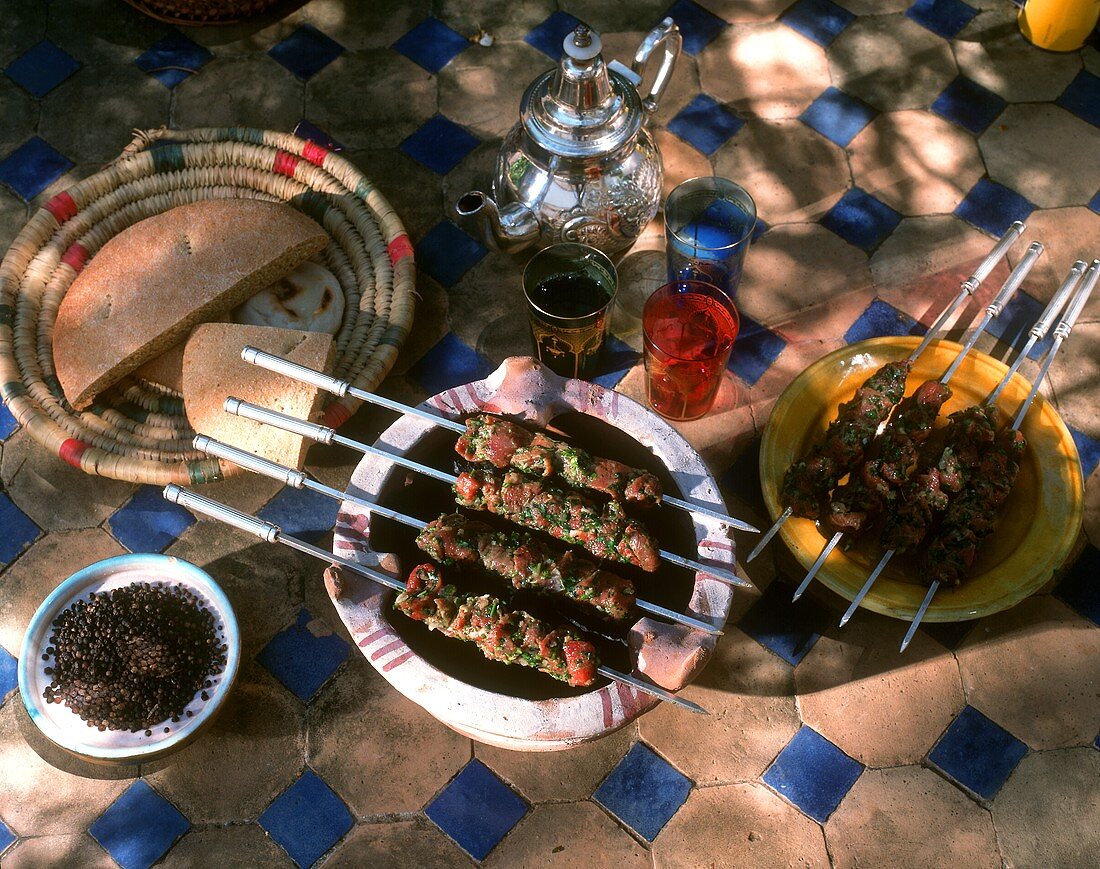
[154,281]
[167,369]
[213,371]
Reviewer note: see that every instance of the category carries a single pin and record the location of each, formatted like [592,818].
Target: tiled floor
[885,142]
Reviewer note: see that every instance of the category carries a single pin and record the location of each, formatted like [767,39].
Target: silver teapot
[579,165]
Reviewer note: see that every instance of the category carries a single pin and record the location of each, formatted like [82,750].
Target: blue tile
[813,774]
[969,105]
[301,513]
[307,819]
[1094,203]
[837,116]
[476,809]
[943,17]
[879,320]
[440,144]
[644,791]
[819,20]
[8,423]
[1088,450]
[431,44]
[306,51]
[41,68]
[449,363]
[549,36]
[617,360]
[977,753]
[139,827]
[993,207]
[19,531]
[1012,326]
[173,58]
[302,660]
[698,26]
[310,131]
[32,167]
[787,629]
[758,230]
[9,675]
[706,124]
[6,837]
[1079,588]
[148,523]
[446,253]
[1082,97]
[754,351]
[861,220]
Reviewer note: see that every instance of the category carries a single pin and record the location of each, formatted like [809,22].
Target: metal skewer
[993,309]
[326,435]
[300,480]
[1061,332]
[272,533]
[341,388]
[967,289]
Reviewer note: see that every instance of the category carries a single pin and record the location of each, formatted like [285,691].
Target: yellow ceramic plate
[1038,524]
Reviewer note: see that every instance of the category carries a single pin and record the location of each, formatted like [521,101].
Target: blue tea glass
[708,229]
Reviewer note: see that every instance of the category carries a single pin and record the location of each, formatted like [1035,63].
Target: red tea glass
[689,328]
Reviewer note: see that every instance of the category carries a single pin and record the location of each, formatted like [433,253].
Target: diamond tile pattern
[755,350]
[838,116]
[943,17]
[32,167]
[447,253]
[977,753]
[644,791]
[6,837]
[431,44]
[447,363]
[1082,97]
[549,36]
[813,774]
[706,124]
[476,809]
[306,51]
[8,423]
[139,827]
[1094,203]
[698,26]
[789,630]
[860,219]
[819,20]
[1079,588]
[307,819]
[41,68]
[993,207]
[148,523]
[1088,451]
[1013,323]
[969,105]
[9,673]
[19,531]
[301,513]
[879,320]
[440,144]
[304,655]
[173,58]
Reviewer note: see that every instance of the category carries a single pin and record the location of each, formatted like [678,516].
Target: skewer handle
[320,433]
[198,504]
[1047,318]
[1034,251]
[256,356]
[250,461]
[994,257]
[1074,310]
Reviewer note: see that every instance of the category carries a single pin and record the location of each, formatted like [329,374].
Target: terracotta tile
[891,62]
[358,743]
[503,19]
[1032,669]
[401,94]
[265,95]
[488,311]
[413,190]
[542,776]
[475,172]
[362,25]
[22,26]
[482,87]
[681,161]
[74,798]
[19,116]
[216,779]
[880,707]
[1017,151]
[75,849]
[1050,791]
[1069,234]
[397,844]
[618,16]
[243,846]
[1073,376]
[915,162]
[1091,58]
[917,817]
[40,570]
[244,491]
[793,268]
[793,173]
[570,834]
[105,34]
[747,11]
[875,7]
[748,692]
[13,217]
[57,496]
[991,52]
[764,71]
[682,87]
[740,825]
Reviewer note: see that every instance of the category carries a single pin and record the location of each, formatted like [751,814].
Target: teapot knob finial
[582,36]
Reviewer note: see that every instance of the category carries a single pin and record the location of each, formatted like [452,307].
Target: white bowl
[64,727]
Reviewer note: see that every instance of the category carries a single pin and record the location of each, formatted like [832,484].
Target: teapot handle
[665,35]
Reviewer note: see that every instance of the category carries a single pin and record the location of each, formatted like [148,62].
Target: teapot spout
[507,230]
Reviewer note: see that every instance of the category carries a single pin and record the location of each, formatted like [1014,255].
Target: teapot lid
[582,108]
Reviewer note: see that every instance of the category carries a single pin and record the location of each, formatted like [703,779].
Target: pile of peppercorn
[134,656]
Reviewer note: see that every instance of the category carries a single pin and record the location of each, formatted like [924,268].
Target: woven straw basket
[136,431]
